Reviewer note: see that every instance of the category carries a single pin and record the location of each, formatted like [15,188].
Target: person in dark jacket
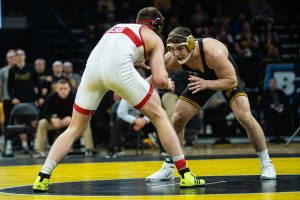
[58,109]
[23,83]
[23,87]
[275,106]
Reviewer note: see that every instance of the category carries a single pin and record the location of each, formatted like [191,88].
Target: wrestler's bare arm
[155,47]
[216,56]
[167,58]
[170,63]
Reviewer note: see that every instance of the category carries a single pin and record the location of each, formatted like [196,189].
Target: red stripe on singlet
[145,53]
[146,98]
[127,31]
[82,110]
[136,40]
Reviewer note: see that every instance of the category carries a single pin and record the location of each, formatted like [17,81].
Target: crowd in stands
[51,93]
[246,28]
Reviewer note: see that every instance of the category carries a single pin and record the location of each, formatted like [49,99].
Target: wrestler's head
[181,44]
[152,18]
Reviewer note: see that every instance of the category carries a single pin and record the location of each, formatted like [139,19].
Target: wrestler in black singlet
[199,99]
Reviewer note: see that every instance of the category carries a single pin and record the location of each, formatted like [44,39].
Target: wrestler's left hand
[197,84]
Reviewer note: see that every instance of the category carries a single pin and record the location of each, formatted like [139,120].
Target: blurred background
[263,37]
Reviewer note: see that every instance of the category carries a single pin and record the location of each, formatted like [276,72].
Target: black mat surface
[133,187]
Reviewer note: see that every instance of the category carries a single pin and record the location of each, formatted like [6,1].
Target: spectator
[57,115]
[23,83]
[237,23]
[247,43]
[73,77]
[108,5]
[57,74]
[129,122]
[269,42]
[22,86]
[198,20]
[226,38]
[40,68]
[172,23]
[4,95]
[260,8]
[276,111]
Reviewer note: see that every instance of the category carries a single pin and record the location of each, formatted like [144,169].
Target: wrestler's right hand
[139,123]
[142,64]
[171,85]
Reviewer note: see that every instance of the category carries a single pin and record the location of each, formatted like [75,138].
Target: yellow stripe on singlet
[237,95]
[191,102]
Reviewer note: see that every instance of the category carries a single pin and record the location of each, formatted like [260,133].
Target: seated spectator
[57,115]
[57,74]
[73,77]
[126,122]
[129,122]
[275,107]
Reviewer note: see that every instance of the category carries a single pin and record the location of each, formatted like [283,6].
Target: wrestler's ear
[157,24]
